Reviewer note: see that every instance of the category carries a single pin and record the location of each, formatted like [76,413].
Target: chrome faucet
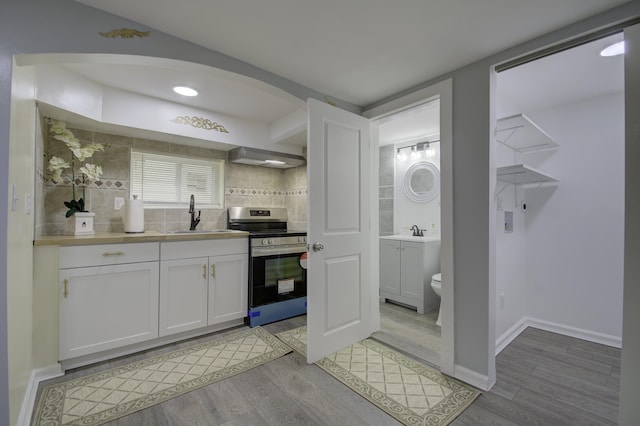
[192,211]
[417,232]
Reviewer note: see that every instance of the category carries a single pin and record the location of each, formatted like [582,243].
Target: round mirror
[422,182]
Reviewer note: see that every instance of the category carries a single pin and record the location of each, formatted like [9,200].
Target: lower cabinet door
[390,267]
[183,295]
[228,288]
[106,307]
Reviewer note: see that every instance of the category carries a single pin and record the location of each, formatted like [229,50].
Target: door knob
[317,247]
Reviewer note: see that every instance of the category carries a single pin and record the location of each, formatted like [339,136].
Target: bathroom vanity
[406,266]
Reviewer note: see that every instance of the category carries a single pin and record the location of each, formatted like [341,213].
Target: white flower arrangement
[80,153]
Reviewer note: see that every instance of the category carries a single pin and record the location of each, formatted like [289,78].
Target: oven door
[277,274]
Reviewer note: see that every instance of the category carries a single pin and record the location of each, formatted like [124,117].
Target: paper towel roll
[133,216]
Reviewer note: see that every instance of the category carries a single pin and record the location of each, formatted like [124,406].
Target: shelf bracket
[503,188]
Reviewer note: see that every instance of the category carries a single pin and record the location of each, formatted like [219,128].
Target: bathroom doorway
[410,229]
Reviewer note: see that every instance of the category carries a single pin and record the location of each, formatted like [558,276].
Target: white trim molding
[508,337]
[38,375]
[579,333]
[566,330]
[473,378]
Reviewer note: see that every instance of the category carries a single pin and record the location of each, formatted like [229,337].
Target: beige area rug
[102,397]
[409,391]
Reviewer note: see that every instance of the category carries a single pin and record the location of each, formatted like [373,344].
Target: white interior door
[338,279]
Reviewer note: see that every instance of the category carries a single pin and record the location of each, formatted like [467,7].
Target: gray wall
[630,371]
[473,184]
[386,189]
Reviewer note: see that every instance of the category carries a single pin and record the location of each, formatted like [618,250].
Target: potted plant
[79,220]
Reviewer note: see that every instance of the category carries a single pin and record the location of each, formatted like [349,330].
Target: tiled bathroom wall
[386,185]
[244,186]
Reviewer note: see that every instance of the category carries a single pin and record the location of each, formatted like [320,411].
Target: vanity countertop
[121,237]
[404,237]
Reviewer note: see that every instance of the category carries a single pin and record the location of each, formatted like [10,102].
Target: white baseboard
[504,340]
[38,375]
[473,378]
[579,333]
[566,330]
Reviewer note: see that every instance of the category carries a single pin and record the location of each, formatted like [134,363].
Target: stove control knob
[265,242]
[301,239]
[271,241]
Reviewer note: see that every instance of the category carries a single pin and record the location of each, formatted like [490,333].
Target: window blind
[166,180]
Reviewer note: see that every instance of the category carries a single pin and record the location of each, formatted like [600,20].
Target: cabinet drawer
[107,254]
[203,248]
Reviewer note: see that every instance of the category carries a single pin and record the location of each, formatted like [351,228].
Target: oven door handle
[271,251]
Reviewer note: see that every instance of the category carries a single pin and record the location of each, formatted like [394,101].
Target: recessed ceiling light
[613,50]
[185,91]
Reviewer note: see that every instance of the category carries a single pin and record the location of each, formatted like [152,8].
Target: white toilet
[436,285]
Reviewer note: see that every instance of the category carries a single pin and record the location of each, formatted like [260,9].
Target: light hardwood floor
[410,332]
[543,379]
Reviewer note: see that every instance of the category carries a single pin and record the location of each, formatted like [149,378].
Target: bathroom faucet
[192,211]
[417,232]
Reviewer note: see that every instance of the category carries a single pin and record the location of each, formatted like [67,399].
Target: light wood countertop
[121,237]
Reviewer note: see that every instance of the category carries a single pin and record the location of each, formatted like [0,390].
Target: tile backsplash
[244,186]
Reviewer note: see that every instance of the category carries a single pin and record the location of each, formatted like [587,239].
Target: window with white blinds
[168,181]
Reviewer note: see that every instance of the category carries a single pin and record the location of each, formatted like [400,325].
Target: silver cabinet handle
[317,247]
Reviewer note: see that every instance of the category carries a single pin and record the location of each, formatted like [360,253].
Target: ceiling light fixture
[428,151]
[185,91]
[400,155]
[613,49]
[276,162]
[414,153]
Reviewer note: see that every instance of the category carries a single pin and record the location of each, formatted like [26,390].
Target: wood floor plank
[564,393]
[523,415]
[322,397]
[562,339]
[564,411]
[416,335]
[586,386]
[543,378]
[538,355]
[605,358]
[477,415]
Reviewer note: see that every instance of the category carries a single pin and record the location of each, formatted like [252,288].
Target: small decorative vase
[79,223]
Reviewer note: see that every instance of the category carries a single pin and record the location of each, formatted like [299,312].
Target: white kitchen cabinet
[406,267]
[197,291]
[183,294]
[228,288]
[108,306]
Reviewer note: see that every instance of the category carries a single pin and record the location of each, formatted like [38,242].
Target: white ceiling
[567,77]
[334,48]
[357,50]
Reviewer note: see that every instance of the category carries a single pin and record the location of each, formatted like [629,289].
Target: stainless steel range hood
[261,157]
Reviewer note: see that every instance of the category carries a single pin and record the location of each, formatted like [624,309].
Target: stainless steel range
[277,264]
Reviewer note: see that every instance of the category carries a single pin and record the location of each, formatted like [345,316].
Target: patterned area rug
[411,392]
[106,396]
